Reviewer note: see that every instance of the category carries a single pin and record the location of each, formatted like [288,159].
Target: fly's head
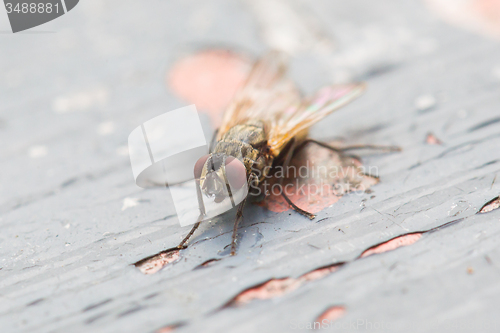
[216,172]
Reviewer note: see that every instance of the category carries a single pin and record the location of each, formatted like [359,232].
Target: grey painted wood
[70,98]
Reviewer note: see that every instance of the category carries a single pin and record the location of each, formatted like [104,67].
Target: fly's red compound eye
[198,167]
[235,172]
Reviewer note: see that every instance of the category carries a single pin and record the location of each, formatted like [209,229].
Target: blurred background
[73,89]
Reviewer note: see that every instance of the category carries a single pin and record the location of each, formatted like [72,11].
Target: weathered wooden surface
[73,221]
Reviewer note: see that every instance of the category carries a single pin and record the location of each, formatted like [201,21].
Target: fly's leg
[297,208]
[288,158]
[196,225]
[341,150]
[239,216]
[200,217]
[385,149]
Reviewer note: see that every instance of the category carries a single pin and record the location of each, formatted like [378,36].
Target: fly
[264,125]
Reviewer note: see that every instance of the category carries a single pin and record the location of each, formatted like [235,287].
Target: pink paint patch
[431,139]
[319,273]
[331,314]
[279,287]
[491,205]
[489,11]
[270,289]
[392,244]
[209,79]
[166,329]
[169,328]
[317,178]
[306,199]
[482,16]
[153,264]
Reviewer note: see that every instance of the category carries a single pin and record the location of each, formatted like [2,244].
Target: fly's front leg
[200,217]
[196,225]
[239,215]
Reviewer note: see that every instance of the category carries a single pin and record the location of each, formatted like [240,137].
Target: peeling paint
[279,287]
[331,314]
[392,244]
[431,139]
[319,273]
[482,16]
[155,263]
[169,328]
[209,79]
[329,176]
[491,205]
[270,289]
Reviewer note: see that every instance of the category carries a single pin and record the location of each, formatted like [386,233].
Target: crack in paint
[490,205]
[154,263]
[331,314]
[279,287]
[392,244]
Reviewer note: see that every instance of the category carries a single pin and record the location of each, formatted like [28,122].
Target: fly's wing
[273,99]
[264,96]
[293,121]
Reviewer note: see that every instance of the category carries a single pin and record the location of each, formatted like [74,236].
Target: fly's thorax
[251,132]
[253,159]
[247,142]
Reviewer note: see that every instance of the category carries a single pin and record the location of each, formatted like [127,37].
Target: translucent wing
[265,94]
[273,99]
[294,121]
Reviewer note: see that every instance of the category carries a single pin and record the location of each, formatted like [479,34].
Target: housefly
[265,123]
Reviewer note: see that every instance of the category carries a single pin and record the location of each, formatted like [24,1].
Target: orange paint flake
[279,287]
[392,244]
[209,80]
[270,289]
[489,11]
[319,273]
[431,139]
[331,314]
[482,16]
[491,205]
[155,263]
